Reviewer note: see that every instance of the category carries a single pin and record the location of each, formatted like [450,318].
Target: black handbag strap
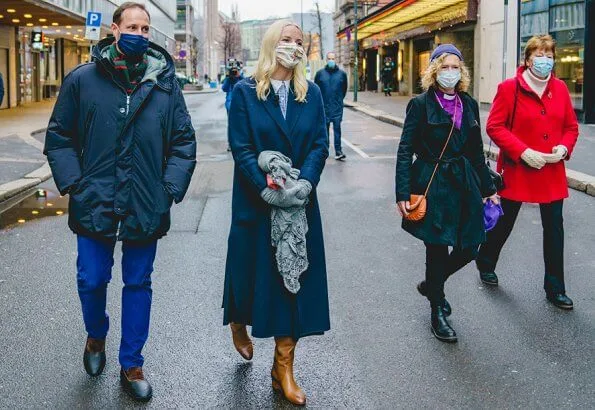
[511,122]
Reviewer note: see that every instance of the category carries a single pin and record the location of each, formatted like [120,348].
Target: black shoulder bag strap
[511,122]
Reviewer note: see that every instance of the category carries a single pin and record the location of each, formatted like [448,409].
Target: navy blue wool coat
[254,293]
[123,159]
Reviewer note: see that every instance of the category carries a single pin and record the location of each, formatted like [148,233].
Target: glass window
[536,23]
[567,16]
[564,20]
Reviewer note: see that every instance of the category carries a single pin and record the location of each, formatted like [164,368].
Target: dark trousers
[553,242]
[336,133]
[94,266]
[440,265]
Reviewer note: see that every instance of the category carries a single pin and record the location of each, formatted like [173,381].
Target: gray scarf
[288,217]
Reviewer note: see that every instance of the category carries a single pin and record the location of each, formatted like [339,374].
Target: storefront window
[564,20]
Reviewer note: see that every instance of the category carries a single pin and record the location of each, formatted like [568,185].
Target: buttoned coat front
[254,293]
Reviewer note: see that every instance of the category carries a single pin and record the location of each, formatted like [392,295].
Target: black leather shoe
[489,278]
[94,356]
[421,288]
[134,383]
[560,300]
[441,328]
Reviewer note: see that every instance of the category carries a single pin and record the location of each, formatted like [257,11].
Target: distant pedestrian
[442,130]
[388,76]
[233,76]
[120,142]
[533,122]
[278,120]
[333,86]
[1,88]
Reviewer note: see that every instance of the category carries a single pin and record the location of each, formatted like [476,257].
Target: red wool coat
[540,124]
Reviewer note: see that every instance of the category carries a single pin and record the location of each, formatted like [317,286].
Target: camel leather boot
[282,371]
[241,340]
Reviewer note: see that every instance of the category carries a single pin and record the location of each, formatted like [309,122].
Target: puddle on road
[42,203]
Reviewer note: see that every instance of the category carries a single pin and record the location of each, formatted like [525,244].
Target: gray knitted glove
[282,198]
[304,190]
[533,158]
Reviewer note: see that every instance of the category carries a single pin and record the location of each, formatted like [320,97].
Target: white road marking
[356,149]
[26,160]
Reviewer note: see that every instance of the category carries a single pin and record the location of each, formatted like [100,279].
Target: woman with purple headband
[442,130]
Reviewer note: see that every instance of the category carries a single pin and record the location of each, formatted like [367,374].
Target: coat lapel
[294,110]
[272,107]
[434,111]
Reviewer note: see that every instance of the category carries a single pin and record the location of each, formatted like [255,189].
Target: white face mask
[289,54]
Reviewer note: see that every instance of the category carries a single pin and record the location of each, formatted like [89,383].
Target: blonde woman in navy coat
[277,109]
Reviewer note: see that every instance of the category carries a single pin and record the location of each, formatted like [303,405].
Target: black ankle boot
[421,288]
[489,278]
[440,326]
[560,300]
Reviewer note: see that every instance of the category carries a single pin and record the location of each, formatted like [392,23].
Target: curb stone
[13,188]
[578,181]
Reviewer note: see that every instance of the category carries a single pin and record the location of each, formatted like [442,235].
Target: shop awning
[406,15]
[21,13]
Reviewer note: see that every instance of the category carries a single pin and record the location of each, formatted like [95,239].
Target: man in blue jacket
[333,86]
[120,142]
[1,88]
[233,77]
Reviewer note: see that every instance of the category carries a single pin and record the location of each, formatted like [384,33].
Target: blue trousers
[94,271]
[336,133]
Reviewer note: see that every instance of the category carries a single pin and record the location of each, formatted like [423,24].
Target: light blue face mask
[448,78]
[330,64]
[542,66]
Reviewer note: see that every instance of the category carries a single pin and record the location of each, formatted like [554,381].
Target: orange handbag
[418,204]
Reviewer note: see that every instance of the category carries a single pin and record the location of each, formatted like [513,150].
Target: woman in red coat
[533,122]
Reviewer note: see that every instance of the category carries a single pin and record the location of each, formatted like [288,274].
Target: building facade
[43,40]
[407,32]
[190,31]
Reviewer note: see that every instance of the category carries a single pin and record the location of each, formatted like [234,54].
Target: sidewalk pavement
[392,110]
[22,163]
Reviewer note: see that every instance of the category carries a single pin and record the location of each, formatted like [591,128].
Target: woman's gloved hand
[533,158]
[559,152]
[304,190]
[282,198]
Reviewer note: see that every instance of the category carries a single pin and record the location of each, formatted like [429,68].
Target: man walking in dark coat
[120,142]
[1,88]
[333,86]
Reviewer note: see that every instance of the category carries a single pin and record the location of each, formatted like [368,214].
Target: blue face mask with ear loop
[331,64]
[133,45]
[543,65]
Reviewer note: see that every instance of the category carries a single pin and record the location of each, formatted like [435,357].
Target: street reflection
[42,203]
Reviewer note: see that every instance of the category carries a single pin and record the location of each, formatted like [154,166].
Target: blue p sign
[93,19]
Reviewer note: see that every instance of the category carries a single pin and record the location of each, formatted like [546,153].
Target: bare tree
[230,40]
[308,41]
[319,20]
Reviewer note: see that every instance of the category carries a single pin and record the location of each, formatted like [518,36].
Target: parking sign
[93,26]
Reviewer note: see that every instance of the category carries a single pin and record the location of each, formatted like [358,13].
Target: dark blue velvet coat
[254,293]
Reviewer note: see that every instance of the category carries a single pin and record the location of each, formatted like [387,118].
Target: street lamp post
[355,52]
[188,40]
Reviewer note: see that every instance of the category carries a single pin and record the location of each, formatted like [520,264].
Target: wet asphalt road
[514,350]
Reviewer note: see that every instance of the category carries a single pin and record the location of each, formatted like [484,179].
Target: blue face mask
[331,64]
[448,78]
[542,66]
[133,45]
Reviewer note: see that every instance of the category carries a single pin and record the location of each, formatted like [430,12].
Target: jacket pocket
[78,206]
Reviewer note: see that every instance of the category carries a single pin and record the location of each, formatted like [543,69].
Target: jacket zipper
[127,104]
